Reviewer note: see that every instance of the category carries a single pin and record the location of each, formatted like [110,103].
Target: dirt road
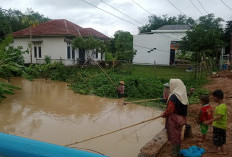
[224,82]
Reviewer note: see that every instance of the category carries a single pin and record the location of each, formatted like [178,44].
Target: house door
[81,56]
[172,56]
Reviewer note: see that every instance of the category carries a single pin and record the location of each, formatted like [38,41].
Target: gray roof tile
[174,27]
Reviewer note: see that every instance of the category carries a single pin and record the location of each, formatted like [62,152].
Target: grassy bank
[141,82]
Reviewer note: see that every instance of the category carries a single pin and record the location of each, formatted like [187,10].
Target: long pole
[113,131]
[143,101]
[106,74]
[230,52]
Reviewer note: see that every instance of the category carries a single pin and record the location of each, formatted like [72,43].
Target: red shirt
[121,89]
[206,113]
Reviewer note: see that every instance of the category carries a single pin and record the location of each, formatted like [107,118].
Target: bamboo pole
[113,131]
[143,101]
[106,75]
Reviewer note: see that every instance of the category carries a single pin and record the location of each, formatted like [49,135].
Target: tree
[4,24]
[123,42]
[89,43]
[14,20]
[205,39]
[158,21]
[11,59]
[227,38]
[11,62]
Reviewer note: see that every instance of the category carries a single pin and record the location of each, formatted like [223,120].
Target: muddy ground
[224,82]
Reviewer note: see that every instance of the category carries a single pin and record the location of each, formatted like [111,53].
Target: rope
[105,113]
[113,131]
[142,101]
[108,111]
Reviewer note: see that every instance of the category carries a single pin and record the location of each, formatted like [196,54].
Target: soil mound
[225,74]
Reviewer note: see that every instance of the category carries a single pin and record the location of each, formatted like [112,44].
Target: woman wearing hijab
[176,113]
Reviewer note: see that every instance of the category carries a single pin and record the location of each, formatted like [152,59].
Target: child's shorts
[204,128]
[219,136]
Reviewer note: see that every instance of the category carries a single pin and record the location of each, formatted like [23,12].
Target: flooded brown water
[49,111]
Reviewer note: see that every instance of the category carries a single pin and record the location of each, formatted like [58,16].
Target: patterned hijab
[178,88]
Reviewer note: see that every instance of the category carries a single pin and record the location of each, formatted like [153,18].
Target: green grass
[161,71]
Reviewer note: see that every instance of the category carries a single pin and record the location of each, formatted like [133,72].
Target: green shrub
[143,87]
[6,89]
[47,59]
[197,94]
[109,56]
[59,72]
[195,82]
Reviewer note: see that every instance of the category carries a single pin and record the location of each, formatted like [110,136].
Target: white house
[54,38]
[158,46]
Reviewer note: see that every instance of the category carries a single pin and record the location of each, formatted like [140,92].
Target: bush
[195,82]
[59,72]
[196,95]
[135,86]
[47,59]
[6,89]
[109,56]
[143,87]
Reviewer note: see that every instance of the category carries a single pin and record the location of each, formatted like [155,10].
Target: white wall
[159,40]
[55,47]
[92,54]
[24,43]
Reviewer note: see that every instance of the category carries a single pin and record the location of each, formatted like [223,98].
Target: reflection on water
[48,111]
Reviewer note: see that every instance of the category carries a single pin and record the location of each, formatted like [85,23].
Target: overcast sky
[86,15]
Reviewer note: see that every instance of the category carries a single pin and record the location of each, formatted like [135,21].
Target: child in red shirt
[206,113]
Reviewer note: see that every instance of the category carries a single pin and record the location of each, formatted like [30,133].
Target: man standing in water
[175,114]
[120,89]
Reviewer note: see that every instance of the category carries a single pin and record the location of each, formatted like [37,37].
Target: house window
[35,51]
[73,53]
[68,51]
[97,55]
[40,53]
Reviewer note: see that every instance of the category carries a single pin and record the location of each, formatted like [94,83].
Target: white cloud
[86,15]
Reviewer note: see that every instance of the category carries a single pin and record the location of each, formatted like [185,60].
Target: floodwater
[49,111]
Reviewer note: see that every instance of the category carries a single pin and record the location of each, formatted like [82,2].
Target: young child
[206,113]
[120,89]
[219,123]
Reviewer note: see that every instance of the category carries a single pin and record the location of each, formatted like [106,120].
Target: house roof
[174,27]
[95,33]
[60,27]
